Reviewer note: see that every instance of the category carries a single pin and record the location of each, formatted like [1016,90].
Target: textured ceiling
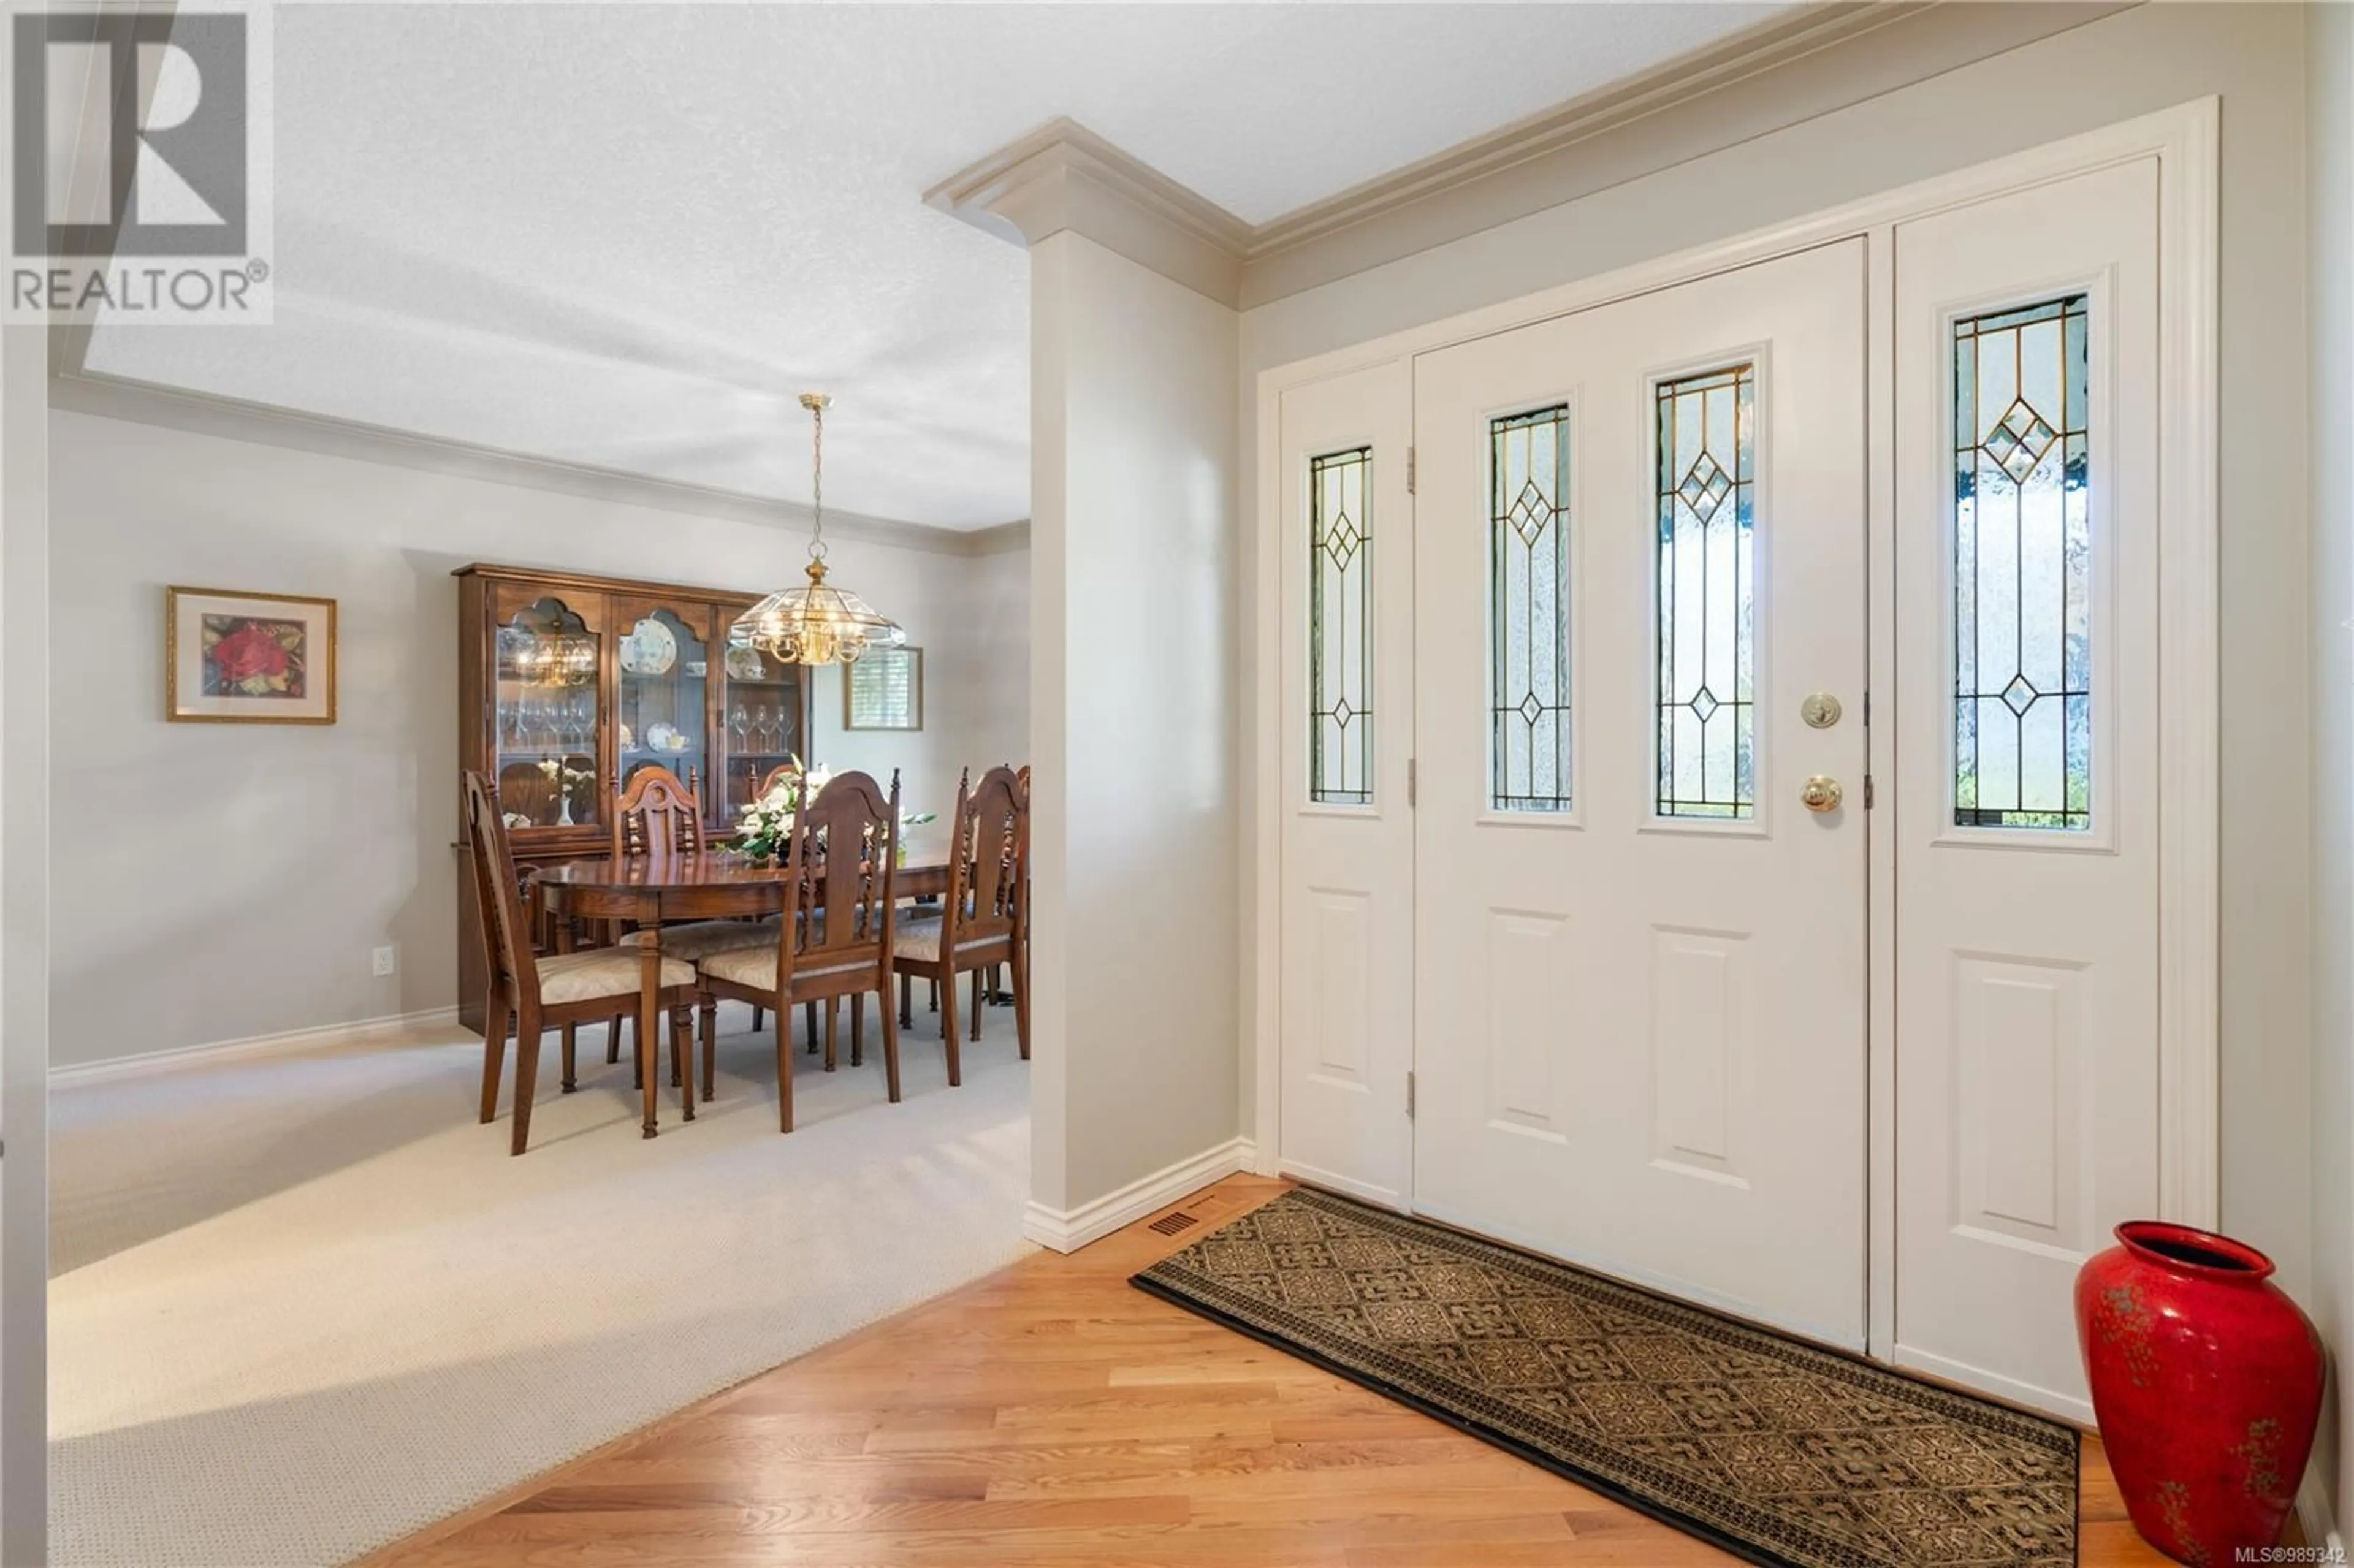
[625,236]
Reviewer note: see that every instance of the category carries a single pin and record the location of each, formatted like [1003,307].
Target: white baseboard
[1069,1230]
[2313,1515]
[286,1043]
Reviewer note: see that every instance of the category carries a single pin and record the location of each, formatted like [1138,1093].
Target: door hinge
[1867,792]
[1409,780]
[1409,470]
[1410,1096]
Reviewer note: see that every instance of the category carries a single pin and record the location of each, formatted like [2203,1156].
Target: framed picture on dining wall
[247,658]
[885,690]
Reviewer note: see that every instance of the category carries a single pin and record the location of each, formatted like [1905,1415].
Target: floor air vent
[1169,1224]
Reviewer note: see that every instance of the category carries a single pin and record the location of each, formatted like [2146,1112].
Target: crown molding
[1686,77]
[1063,176]
[1003,540]
[1825,59]
[265,424]
[1826,56]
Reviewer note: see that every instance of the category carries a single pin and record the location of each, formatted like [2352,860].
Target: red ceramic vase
[2206,1381]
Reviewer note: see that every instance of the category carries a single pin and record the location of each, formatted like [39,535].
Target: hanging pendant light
[818,624]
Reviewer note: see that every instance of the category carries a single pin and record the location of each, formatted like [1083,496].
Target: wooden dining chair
[769,781]
[997,993]
[657,811]
[834,941]
[774,776]
[657,814]
[538,991]
[981,922]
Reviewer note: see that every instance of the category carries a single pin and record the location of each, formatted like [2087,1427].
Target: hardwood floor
[1052,1413]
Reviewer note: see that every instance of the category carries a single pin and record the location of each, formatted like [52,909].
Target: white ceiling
[626,235]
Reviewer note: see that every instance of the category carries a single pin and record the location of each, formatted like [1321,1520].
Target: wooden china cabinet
[569,684]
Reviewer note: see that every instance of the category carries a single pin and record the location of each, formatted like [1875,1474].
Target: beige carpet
[304,1306]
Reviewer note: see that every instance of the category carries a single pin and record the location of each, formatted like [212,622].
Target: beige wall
[2329,171]
[2128,64]
[305,848]
[1132,534]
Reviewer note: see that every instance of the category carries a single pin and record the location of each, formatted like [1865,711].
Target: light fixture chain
[817,483]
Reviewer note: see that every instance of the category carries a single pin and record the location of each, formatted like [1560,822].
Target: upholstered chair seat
[920,940]
[757,966]
[603,971]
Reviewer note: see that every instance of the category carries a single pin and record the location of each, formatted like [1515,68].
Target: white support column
[1134,636]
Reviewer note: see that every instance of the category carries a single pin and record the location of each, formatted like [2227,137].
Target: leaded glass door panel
[1641,953]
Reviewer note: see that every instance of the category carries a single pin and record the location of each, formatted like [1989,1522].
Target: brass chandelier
[818,623]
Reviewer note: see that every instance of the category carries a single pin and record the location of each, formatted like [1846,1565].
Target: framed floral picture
[247,658]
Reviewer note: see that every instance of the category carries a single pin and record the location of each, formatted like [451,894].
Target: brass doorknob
[1821,794]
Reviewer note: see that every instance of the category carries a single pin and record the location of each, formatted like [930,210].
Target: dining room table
[676,887]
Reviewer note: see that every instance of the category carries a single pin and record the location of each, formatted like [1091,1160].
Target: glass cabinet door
[762,724]
[546,714]
[661,717]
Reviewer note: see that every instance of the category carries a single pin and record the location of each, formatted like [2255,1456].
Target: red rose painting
[247,656]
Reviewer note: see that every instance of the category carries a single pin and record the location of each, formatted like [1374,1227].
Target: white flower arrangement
[766,825]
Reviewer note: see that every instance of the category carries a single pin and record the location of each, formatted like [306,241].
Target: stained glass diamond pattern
[1341,541]
[1704,487]
[2020,439]
[1529,513]
[1703,703]
[2020,695]
[1530,709]
[1342,712]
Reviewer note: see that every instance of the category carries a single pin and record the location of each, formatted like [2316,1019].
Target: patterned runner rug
[1774,1449]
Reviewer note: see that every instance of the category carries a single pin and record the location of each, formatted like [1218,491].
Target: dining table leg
[649,1019]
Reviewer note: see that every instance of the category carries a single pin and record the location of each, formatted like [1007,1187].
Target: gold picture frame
[249,658]
[884,690]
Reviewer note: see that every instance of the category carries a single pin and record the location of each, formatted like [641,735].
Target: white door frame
[2184,142]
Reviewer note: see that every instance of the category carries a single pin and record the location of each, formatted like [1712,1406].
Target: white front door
[1348,835]
[2027,799]
[1640,1015]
